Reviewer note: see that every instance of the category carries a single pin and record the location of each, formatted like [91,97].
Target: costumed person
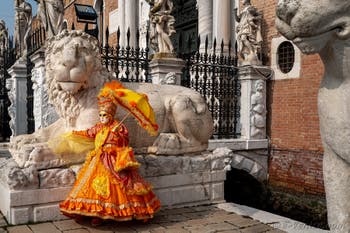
[108,186]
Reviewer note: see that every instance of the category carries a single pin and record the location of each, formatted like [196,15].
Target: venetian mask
[104,117]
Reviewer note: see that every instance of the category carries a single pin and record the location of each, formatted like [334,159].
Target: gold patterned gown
[108,185]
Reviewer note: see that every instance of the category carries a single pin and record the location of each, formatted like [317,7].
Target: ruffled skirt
[97,192]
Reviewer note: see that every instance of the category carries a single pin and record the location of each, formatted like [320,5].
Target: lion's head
[312,24]
[73,67]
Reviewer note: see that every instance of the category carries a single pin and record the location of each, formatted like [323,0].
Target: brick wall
[293,125]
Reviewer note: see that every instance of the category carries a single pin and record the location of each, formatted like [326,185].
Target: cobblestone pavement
[200,219]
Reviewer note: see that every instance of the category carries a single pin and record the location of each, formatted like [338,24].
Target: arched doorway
[186,25]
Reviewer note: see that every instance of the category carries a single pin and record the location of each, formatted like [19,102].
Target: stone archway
[246,182]
[252,167]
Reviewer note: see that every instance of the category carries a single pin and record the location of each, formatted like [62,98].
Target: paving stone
[230,231]
[211,228]
[242,222]
[204,208]
[147,227]
[175,211]
[67,225]
[178,218]
[257,229]
[19,229]
[76,231]
[44,228]
[176,230]
[3,222]
[276,231]
[161,219]
[197,222]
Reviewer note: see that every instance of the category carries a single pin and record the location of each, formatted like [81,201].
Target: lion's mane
[66,104]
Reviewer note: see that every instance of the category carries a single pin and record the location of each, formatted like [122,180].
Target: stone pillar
[205,22]
[166,70]
[143,22]
[121,23]
[17,86]
[253,102]
[222,22]
[131,18]
[44,113]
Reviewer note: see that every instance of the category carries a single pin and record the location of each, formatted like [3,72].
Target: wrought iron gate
[214,75]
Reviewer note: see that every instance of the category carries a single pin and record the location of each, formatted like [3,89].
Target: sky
[7,12]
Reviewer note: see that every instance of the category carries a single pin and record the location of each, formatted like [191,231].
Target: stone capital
[166,70]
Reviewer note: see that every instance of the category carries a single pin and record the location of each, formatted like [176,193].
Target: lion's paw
[166,143]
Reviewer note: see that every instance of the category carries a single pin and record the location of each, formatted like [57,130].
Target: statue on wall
[323,27]
[258,111]
[248,32]
[23,24]
[3,36]
[51,13]
[162,25]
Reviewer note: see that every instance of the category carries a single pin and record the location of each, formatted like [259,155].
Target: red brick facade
[293,125]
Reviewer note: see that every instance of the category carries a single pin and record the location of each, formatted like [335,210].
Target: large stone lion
[74,76]
[323,27]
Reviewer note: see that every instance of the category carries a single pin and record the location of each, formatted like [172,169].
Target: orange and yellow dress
[108,185]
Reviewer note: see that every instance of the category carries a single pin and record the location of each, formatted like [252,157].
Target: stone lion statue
[324,27]
[74,76]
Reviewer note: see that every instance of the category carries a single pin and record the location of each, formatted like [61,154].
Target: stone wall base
[39,205]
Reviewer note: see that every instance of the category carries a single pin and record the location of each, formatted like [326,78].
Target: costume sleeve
[125,159]
[89,133]
[71,147]
[125,155]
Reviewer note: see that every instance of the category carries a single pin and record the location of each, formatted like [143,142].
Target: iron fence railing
[128,63]
[214,75]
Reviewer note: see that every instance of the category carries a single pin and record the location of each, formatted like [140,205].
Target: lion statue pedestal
[324,27]
[74,76]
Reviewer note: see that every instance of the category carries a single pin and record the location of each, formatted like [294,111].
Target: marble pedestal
[166,69]
[178,181]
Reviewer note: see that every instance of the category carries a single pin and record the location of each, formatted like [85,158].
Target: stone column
[222,22]
[131,18]
[143,21]
[166,70]
[205,22]
[121,23]
[253,102]
[44,113]
[17,86]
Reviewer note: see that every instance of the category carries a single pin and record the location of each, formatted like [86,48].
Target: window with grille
[285,56]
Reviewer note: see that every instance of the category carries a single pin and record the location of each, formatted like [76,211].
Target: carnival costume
[108,185]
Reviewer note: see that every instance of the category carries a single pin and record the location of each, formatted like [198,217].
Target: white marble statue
[162,25]
[248,32]
[23,24]
[3,36]
[258,111]
[324,27]
[51,13]
[74,75]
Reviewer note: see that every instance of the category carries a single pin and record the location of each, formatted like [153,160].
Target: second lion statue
[74,75]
